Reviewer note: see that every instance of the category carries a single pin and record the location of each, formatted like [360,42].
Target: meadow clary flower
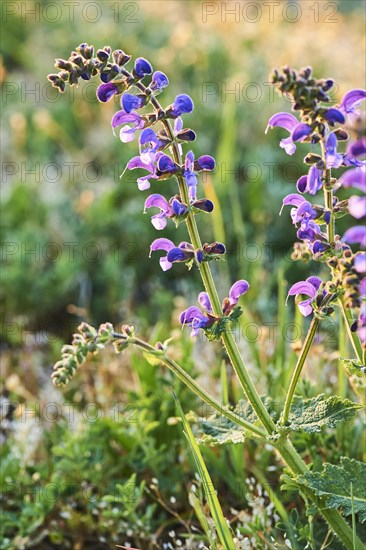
[351,100]
[357,206]
[127,133]
[158,201]
[195,318]
[360,263]
[105,92]
[303,210]
[357,148]
[182,104]
[142,67]
[334,115]
[143,182]
[180,253]
[332,158]
[149,145]
[159,81]
[298,130]
[355,235]
[355,177]
[309,287]
[314,180]
[130,102]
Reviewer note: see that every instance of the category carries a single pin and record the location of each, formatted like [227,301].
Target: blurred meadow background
[104,462]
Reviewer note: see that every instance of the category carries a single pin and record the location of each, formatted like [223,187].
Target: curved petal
[166,164]
[106,91]
[238,288]
[356,234]
[300,132]
[303,287]
[283,120]
[357,207]
[206,162]
[357,148]
[176,255]
[351,99]
[158,201]
[288,145]
[315,281]
[334,115]
[360,262]
[302,184]
[305,307]
[189,314]
[159,221]
[162,244]
[182,104]
[204,301]
[356,177]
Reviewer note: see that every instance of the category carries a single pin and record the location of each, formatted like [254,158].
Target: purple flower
[196,319]
[143,182]
[106,91]
[203,204]
[355,235]
[181,253]
[149,144]
[158,201]
[357,206]
[334,115]
[166,164]
[166,245]
[310,288]
[351,100]
[238,289]
[298,131]
[129,102]
[303,210]
[309,231]
[361,330]
[301,131]
[354,178]
[314,180]
[357,148]
[189,175]
[159,81]
[142,67]
[206,163]
[302,183]
[360,262]
[182,104]
[333,159]
[179,209]
[127,133]
[204,301]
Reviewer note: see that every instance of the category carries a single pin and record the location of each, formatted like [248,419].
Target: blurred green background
[75,242]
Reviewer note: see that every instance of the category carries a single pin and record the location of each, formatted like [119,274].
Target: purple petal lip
[176,255]
[178,208]
[300,131]
[206,162]
[293,199]
[238,289]
[121,117]
[147,136]
[162,244]
[314,180]
[357,207]
[159,81]
[355,235]
[351,99]
[142,67]
[302,184]
[129,102]
[355,177]
[334,115]
[357,148]
[165,164]
[106,91]
[360,262]
[190,314]
[288,145]
[182,104]
[204,301]
[283,120]
[157,201]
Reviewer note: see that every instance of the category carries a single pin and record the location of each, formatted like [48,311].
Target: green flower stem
[194,386]
[284,447]
[298,368]
[328,197]
[355,341]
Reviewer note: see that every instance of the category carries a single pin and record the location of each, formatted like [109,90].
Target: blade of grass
[222,527]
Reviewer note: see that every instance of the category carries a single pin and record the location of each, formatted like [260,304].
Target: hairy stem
[298,368]
[355,341]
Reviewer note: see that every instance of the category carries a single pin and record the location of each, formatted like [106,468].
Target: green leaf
[310,415]
[354,367]
[219,430]
[153,357]
[344,486]
[221,525]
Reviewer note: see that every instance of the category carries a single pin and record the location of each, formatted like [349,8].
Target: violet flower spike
[310,288]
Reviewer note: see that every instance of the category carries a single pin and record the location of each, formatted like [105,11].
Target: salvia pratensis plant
[161,137]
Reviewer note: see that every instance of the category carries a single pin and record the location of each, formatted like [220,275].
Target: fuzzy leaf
[344,486]
[219,430]
[310,415]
